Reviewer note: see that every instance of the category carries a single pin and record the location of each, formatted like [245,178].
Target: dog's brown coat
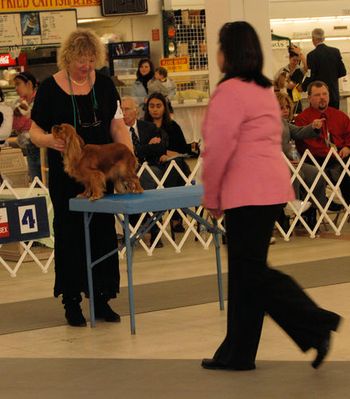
[92,164]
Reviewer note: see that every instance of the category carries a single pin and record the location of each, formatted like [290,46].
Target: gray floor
[159,379]
[163,359]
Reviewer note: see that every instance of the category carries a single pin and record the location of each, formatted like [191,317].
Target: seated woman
[139,90]
[157,112]
[307,172]
[26,87]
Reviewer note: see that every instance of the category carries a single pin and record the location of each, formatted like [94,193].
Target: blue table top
[148,201]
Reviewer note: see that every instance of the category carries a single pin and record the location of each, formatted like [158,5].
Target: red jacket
[338,125]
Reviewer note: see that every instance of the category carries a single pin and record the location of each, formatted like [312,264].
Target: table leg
[129,254]
[89,269]
[216,236]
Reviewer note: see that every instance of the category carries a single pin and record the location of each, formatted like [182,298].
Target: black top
[297,77]
[326,64]
[150,152]
[176,137]
[54,106]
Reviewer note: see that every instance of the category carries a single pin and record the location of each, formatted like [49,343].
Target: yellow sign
[176,64]
[32,5]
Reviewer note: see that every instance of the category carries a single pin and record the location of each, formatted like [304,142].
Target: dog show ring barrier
[23,220]
[157,202]
[333,221]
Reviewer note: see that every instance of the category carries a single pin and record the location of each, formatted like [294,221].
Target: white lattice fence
[26,247]
[191,230]
[334,194]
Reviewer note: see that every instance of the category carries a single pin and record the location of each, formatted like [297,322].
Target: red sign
[4,230]
[155,35]
[4,225]
[6,60]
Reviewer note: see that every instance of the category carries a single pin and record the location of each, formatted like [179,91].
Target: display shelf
[184,34]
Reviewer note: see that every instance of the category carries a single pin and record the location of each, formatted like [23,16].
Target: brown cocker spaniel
[92,164]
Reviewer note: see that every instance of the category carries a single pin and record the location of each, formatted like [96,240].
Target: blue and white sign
[27,219]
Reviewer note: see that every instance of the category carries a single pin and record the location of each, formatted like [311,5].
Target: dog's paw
[83,195]
[95,197]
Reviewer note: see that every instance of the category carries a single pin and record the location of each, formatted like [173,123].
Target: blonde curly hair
[81,43]
[285,100]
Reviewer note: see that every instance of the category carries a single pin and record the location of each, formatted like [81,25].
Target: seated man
[150,143]
[335,133]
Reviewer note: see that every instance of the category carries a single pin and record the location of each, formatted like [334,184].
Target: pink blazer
[242,159]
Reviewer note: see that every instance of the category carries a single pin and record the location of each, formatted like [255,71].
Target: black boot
[103,310]
[154,233]
[311,217]
[73,313]
[284,221]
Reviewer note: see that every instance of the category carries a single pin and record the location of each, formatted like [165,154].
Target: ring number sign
[27,219]
[23,220]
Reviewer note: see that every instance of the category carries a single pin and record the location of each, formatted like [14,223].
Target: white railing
[191,230]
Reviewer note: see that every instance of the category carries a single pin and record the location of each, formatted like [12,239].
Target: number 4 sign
[23,219]
[27,219]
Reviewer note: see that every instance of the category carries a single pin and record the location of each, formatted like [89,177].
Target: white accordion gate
[190,224]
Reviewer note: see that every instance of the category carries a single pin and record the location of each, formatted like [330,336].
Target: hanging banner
[34,5]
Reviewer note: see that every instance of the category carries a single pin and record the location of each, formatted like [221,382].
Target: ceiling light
[87,20]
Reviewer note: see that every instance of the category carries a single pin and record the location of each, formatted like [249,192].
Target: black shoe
[105,312]
[311,217]
[335,207]
[322,351]
[212,364]
[154,234]
[323,347]
[177,227]
[159,243]
[74,315]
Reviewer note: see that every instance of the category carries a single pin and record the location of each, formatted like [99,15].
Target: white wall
[220,11]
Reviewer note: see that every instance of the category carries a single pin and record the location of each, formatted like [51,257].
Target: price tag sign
[23,220]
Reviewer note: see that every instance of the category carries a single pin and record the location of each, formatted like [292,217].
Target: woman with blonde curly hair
[79,95]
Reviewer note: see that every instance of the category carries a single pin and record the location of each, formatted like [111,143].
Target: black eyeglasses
[76,113]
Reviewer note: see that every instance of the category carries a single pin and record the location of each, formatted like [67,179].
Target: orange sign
[176,64]
[155,35]
[32,5]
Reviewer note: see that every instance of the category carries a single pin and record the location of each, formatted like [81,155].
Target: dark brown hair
[241,47]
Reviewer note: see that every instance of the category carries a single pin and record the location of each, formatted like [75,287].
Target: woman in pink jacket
[246,177]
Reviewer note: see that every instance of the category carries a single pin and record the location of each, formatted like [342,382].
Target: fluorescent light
[87,20]
[328,39]
[279,21]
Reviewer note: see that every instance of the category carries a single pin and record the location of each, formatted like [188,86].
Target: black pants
[254,288]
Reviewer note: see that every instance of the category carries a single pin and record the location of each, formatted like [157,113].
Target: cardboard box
[14,250]
[13,167]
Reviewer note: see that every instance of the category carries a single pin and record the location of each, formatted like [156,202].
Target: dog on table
[92,164]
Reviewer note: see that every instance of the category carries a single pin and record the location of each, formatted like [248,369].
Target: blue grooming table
[155,201]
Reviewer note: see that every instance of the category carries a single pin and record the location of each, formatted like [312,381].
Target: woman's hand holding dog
[55,144]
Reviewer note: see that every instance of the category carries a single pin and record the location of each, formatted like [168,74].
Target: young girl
[26,86]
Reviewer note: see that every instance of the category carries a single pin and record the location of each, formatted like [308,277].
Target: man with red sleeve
[335,133]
